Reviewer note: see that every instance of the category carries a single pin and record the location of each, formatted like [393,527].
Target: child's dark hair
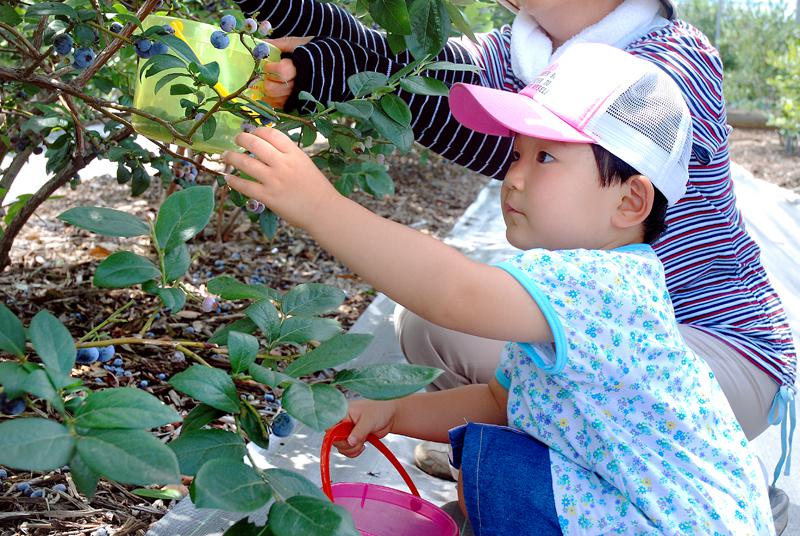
[613,170]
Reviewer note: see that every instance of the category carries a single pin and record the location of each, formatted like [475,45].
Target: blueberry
[189,330]
[261,51]
[227,23]
[143,47]
[13,407]
[83,57]
[178,357]
[37,493]
[102,531]
[209,303]
[117,362]
[116,27]
[63,44]
[99,381]
[198,117]
[38,150]
[220,40]
[161,376]
[235,256]
[248,127]
[255,206]
[219,263]
[23,487]
[282,425]
[250,25]
[144,383]
[269,398]
[169,30]
[106,353]
[265,28]
[158,48]
[3,474]
[127,373]
[61,488]
[87,356]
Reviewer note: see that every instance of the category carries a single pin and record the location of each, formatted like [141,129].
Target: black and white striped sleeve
[323,66]
[309,17]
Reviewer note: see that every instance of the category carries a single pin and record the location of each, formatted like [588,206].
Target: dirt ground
[53,266]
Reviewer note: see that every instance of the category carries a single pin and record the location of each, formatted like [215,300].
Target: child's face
[552,197]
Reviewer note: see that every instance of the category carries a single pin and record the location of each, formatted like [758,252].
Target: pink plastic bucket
[378,510]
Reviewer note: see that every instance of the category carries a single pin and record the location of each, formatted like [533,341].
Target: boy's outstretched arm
[426,416]
[423,274]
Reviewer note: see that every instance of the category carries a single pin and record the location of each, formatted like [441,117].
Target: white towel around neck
[532,49]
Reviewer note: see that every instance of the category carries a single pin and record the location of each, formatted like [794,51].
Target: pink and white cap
[599,94]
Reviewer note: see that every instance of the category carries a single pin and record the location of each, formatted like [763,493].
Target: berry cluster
[228,24]
[255,206]
[87,356]
[185,170]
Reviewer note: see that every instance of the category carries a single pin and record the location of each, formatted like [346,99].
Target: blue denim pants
[506,480]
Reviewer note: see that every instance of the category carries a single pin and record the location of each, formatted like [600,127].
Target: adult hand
[286,180]
[369,417]
[277,83]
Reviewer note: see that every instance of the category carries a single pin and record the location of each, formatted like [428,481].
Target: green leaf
[200,416]
[12,333]
[193,449]
[269,377]
[244,527]
[53,343]
[243,325]
[208,385]
[13,378]
[173,298]
[9,15]
[123,269]
[140,181]
[183,215]
[301,330]
[309,515]
[105,221]
[289,483]
[396,108]
[422,85]
[366,82]
[176,262]
[231,486]
[168,78]
[180,48]
[391,15]
[268,222]
[430,25]
[166,494]
[379,183]
[160,62]
[85,479]
[360,109]
[310,299]
[84,36]
[401,136]
[331,353]
[209,127]
[124,407]
[38,384]
[253,425]
[129,456]
[307,136]
[266,317]
[229,288]
[180,89]
[209,73]
[386,381]
[450,66]
[319,406]
[459,21]
[242,350]
[40,9]
[35,444]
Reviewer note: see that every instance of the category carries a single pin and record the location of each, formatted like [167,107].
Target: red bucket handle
[340,432]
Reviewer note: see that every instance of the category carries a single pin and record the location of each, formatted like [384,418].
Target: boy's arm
[428,277]
[426,416]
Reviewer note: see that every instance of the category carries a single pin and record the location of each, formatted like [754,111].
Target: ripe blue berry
[144,383]
[37,493]
[87,356]
[269,398]
[265,28]
[250,25]
[169,30]
[127,373]
[102,531]
[3,474]
[13,407]
[161,376]
[61,488]
[83,58]
[261,51]
[117,362]
[158,48]
[143,47]
[116,27]
[63,44]
[106,353]
[248,127]
[220,40]
[23,487]
[209,303]
[282,425]
[227,23]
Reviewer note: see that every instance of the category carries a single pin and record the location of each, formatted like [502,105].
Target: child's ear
[636,203]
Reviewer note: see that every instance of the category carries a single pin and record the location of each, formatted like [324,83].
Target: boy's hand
[369,417]
[286,180]
[277,83]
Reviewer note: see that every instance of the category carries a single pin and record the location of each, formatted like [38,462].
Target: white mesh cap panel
[649,127]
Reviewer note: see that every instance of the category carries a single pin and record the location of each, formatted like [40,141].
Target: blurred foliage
[749,31]
[786,83]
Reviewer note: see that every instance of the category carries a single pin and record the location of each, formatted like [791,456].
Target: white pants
[468,359]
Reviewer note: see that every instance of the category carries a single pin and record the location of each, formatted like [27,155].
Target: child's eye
[544,157]
[515,156]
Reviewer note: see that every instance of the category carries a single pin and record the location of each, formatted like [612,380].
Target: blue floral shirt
[642,439]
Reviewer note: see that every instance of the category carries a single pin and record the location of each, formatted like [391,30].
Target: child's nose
[514,178]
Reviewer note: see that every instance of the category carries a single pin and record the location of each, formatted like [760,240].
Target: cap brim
[503,113]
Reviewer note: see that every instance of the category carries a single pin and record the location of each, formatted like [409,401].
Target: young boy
[639,435]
